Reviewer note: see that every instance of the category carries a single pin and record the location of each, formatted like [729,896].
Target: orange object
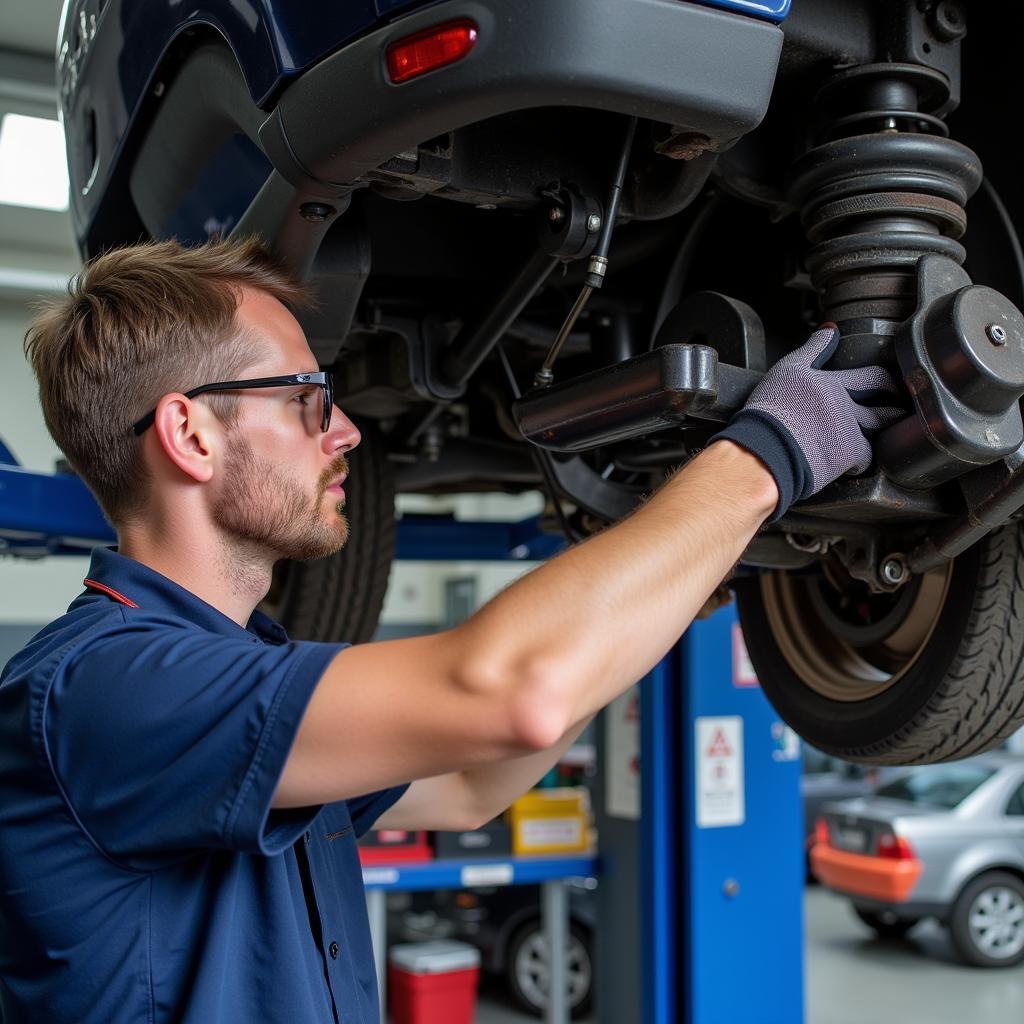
[858,874]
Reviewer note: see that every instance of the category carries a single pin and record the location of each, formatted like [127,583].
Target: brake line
[597,265]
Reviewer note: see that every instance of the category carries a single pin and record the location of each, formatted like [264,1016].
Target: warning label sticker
[719,771]
[743,674]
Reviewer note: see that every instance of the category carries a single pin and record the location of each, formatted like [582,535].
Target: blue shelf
[464,874]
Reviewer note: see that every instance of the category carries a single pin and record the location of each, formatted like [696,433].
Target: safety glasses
[321,378]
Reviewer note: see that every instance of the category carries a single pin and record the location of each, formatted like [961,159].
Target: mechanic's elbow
[527,702]
[538,716]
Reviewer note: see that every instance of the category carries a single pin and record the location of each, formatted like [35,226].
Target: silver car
[943,841]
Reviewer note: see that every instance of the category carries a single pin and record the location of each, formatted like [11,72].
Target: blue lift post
[705,922]
[701,898]
[742,885]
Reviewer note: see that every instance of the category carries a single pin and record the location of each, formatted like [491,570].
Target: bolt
[894,570]
[948,21]
[593,223]
[316,213]
[731,888]
[556,215]
[996,334]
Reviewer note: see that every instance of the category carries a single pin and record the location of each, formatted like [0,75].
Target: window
[1016,804]
[33,166]
[938,785]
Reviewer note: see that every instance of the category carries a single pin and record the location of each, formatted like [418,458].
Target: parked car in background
[943,841]
[825,779]
[504,923]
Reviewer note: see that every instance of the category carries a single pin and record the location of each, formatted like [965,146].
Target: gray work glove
[807,424]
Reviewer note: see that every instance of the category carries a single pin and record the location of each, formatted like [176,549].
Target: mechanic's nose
[342,435]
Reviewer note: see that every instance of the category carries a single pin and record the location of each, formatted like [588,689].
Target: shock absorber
[882,186]
[882,199]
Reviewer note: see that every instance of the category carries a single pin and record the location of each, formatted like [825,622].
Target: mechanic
[181,785]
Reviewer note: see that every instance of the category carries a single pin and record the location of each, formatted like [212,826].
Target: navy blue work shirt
[144,876]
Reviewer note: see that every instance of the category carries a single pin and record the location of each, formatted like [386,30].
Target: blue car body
[111,53]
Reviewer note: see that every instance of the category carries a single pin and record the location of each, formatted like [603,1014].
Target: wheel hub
[997,922]
[845,643]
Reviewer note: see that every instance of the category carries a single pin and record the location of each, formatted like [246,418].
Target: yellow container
[551,821]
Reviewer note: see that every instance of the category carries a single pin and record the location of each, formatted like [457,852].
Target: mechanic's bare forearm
[548,652]
[579,630]
[467,799]
[491,788]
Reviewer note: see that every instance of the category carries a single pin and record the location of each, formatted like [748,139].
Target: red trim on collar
[110,592]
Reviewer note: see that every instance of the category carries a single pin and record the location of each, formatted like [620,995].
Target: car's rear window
[937,785]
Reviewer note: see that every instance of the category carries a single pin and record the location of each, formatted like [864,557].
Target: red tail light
[821,832]
[434,48]
[895,847]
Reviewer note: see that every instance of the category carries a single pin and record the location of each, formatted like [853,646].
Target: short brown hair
[138,323]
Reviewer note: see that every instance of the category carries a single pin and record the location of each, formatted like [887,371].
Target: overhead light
[33,165]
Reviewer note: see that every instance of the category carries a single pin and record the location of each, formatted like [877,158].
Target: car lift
[697,800]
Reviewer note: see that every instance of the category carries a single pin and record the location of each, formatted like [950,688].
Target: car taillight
[894,847]
[821,832]
[433,48]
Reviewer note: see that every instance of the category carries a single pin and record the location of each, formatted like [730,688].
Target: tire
[340,597]
[526,968]
[885,923]
[932,673]
[987,922]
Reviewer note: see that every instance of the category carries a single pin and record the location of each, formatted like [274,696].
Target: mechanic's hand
[808,425]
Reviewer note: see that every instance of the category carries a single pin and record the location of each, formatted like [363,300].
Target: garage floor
[853,978]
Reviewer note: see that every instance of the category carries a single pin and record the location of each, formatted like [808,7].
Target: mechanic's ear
[185,430]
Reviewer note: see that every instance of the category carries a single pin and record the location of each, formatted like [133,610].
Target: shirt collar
[135,585]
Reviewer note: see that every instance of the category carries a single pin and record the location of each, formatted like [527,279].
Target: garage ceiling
[31,241]
[30,25]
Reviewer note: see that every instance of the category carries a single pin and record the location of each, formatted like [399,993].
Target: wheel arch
[981,868]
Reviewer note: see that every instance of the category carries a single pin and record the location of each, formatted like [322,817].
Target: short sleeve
[365,810]
[168,739]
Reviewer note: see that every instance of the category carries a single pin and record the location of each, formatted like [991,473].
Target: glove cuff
[763,435]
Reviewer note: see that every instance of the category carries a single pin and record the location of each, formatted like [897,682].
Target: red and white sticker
[719,774]
[743,674]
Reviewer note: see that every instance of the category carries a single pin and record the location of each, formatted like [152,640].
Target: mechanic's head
[143,324]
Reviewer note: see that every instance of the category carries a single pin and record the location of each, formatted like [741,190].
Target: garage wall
[31,593]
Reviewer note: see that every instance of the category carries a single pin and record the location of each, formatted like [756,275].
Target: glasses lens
[328,399]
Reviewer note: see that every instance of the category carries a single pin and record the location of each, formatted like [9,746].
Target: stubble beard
[263,508]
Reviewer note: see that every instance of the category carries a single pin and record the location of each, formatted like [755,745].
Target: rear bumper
[857,874]
[678,63]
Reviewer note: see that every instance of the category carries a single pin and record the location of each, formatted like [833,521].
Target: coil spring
[883,186]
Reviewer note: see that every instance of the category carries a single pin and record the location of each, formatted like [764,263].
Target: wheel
[885,923]
[929,673]
[527,968]
[987,923]
[340,597]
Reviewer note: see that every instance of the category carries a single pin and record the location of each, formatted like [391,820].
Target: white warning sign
[622,756]
[719,774]
[743,674]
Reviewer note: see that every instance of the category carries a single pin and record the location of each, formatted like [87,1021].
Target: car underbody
[564,263]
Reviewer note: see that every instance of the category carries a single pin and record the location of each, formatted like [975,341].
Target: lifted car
[556,243]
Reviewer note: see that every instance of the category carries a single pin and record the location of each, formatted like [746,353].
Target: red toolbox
[433,982]
[392,846]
